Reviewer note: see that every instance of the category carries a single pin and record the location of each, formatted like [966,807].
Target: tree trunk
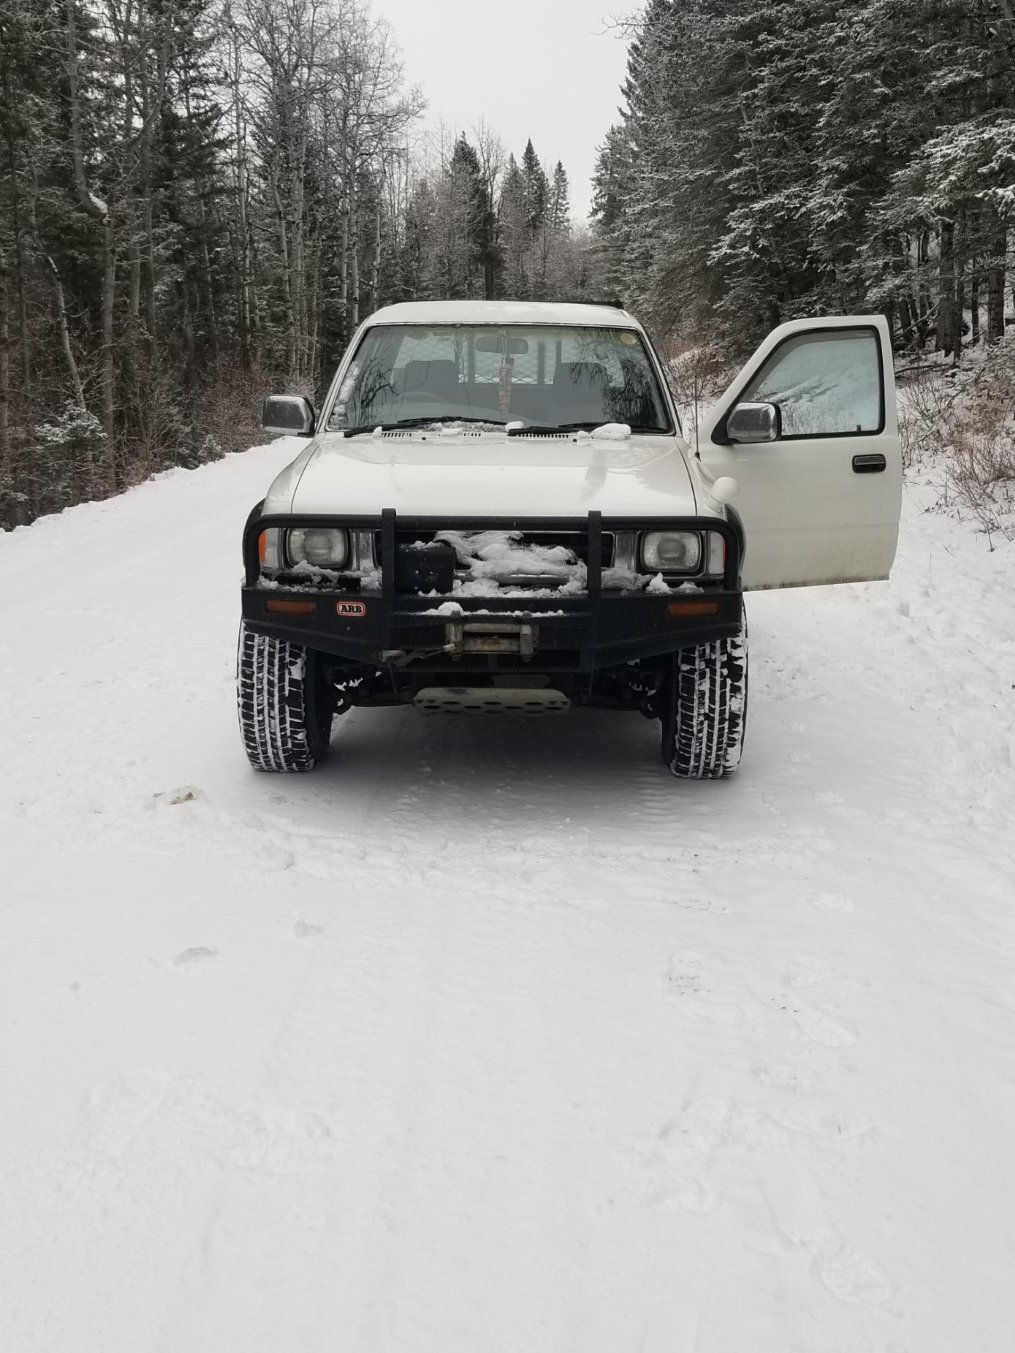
[995,285]
[99,211]
[242,228]
[149,271]
[64,331]
[209,291]
[313,323]
[946,320]
[343,286]
[959,293]
[153,103]
[107,379]
[189,347]
[907,322]
[19,262]
[353,258]
[95,208]
[299,259]
[5,373]
[287,291]
[375,271]
[59,305]
[923,297]
[135,275]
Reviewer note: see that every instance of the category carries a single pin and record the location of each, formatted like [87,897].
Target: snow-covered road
[489,1037]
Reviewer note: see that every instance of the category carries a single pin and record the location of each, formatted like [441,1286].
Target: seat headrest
[581,375]
[437,377]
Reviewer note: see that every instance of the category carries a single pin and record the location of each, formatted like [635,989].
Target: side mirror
[289,414]
[754,423]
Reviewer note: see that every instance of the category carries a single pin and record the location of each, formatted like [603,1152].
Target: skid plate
[490,700]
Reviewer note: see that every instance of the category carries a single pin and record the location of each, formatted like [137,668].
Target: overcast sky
[541,68]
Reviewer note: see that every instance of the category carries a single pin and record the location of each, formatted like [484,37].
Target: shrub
[965,416]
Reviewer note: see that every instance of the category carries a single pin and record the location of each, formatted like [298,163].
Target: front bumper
[580,633]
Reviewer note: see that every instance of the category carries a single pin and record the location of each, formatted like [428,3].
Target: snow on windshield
[512,375]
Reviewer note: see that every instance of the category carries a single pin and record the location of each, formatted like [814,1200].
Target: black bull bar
[576,632]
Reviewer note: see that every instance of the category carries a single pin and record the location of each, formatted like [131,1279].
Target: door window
[825,384]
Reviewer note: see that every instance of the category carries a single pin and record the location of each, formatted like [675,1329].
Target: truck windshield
[537,374]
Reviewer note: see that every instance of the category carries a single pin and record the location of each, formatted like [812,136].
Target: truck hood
[478,474]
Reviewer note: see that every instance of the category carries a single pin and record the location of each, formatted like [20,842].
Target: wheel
[283,702]
[704,709]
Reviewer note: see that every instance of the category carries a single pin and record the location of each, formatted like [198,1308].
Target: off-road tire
[704,711]
[285,714]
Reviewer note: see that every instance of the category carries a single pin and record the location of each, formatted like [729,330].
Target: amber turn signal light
[285,606]
[685,610]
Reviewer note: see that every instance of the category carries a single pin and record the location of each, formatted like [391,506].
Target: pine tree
[560,202]
[612,190]
[470,206]
[537,189]
[515,232]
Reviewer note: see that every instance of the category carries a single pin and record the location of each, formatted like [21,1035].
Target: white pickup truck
[497,510]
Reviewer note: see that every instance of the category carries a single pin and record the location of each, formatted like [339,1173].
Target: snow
[611,432]
[499,554]
[453,610]
[489,1035]
[492,559]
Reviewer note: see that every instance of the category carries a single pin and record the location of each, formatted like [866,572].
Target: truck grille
[576,541]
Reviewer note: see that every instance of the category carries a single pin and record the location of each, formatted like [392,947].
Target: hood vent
[415,435]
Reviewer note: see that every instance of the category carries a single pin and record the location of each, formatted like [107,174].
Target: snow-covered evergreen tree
[537,189]
[813,155]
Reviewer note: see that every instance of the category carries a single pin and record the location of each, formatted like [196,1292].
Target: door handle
[870,464]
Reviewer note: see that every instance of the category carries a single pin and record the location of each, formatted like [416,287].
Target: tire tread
[710,709]
[275,704]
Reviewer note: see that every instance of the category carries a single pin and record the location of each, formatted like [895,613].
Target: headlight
[671,552]
[317,546]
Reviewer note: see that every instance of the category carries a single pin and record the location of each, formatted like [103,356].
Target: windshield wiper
[414,423]
[541,430]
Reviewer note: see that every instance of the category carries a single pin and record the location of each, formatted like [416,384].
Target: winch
[498,636]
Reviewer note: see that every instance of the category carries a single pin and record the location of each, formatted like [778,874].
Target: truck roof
[505,312]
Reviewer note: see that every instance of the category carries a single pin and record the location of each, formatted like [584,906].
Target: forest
[201,199]
[199,202]
[814,157]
